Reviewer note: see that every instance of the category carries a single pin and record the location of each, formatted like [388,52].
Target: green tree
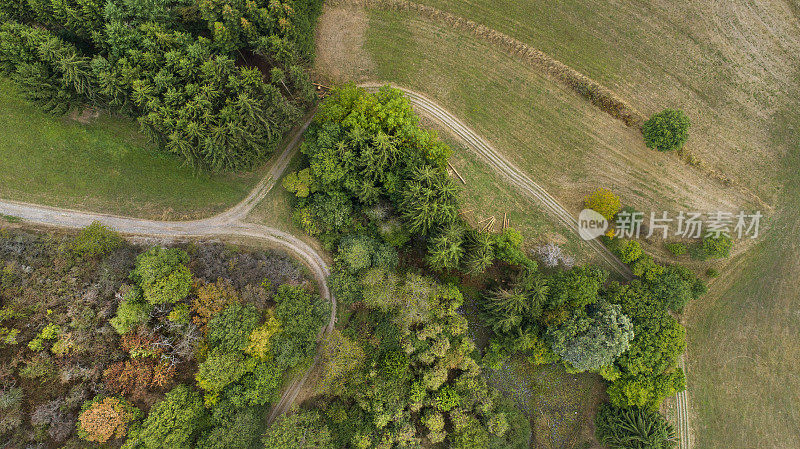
[446,249]
[357,252]
[132,311]
[301,314]
[576,287]
[430,200]
[175,422]
[593,340]
[666,131]
[230,329]
[163,275]
[480,253]
[633,428]
[299,430]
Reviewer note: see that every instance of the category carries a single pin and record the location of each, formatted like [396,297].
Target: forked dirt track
[232,223]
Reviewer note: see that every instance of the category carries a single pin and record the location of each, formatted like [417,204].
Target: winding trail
[510,172]
[229,223]
[232,222]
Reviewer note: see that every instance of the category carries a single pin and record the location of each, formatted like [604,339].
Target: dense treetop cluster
[216,82]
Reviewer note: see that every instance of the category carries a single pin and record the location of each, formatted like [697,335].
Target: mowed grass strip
[731,65]
[558,138]
[104,166]
[744,351]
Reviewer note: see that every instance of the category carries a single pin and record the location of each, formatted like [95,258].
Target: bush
[630,251]
[132,311]
[95,240]
[299,430]
[666,131]
[103,419]
[712,272]
[717,247]
[604,202]
[677,248]
[646,391]
[634,428]
[163,275]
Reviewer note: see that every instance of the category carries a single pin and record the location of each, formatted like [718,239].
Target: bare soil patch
[340,46]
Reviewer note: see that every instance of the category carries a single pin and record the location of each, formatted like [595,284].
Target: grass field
[744,354]
[558,138]
[104,166]
[732,65]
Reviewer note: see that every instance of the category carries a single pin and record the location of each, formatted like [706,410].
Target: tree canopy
[184,68]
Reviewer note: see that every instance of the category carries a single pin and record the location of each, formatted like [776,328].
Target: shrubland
[146,347]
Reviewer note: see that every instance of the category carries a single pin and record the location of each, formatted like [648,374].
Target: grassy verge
[487,195]
[275,210]
[743,346]
[104,166]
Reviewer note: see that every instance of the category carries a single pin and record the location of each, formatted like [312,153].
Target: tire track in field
[513,175]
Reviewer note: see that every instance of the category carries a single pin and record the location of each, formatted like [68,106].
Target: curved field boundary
[599,95]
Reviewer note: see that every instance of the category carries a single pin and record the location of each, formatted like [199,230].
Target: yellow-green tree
[604,202]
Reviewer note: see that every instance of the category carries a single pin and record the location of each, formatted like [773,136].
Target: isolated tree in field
[666,131]
[604,202]
[633,428]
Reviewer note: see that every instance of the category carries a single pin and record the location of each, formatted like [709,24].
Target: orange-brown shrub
[136,377]
[211,299]
[105,419]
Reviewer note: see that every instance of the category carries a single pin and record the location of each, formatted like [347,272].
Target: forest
[104,342]
[215,82]
[376,191]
